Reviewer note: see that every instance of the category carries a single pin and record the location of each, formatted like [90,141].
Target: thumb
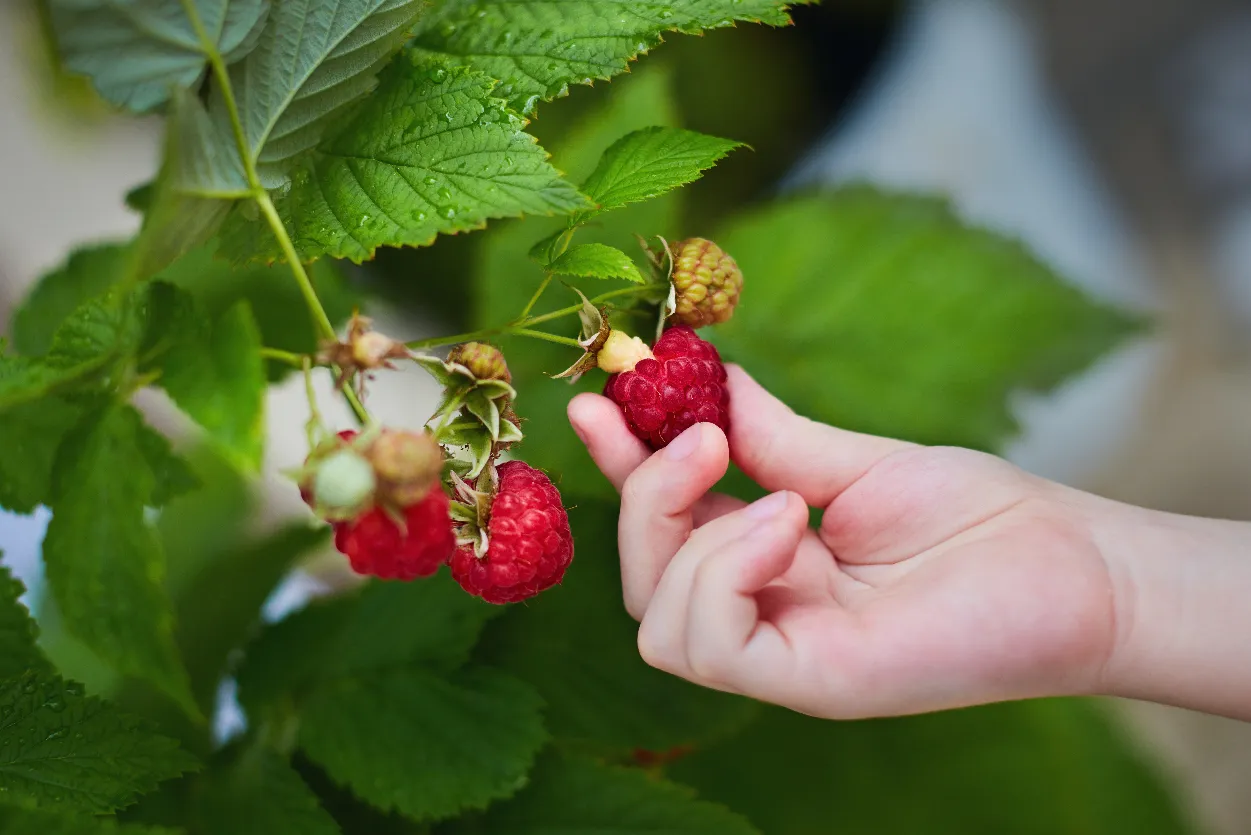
[781,450]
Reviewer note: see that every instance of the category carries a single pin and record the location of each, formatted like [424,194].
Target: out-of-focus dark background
[1113,136]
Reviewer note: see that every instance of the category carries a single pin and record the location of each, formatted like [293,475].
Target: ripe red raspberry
[529,545]
[376,545]
[684,385]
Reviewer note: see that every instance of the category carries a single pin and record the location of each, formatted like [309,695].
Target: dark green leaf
[71,752]
[578,648]
[1029,768]
[172,475]
[41,822]
[569,794]
[18,632]
[425,746]
[136,51]
[431,622]
[104,563]
[597,261]
[259,794]
[649,162]
[313,59]
[885,314]
[537,48]
[430,152]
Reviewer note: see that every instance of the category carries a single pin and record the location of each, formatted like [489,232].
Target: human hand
[938,577]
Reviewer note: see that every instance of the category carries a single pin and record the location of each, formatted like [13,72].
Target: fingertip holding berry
[683,384]
[529,544]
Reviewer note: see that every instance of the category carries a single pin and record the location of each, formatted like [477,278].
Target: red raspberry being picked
[529,545]
[680,385]
[375,544]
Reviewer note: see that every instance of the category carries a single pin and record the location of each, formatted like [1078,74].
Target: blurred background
[1112,136]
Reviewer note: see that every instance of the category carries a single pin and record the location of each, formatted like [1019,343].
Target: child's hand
[937,578]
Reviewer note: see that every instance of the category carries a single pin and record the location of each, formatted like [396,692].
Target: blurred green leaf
[104,564]
[258,794]
[571,794]
[1029,768]
[42,822]
[32,434]
[885,314]
[88,273]
[577,646]
[422,745]
[18,632]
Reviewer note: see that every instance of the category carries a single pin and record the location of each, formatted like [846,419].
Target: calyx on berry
[485,398]
[349,473]
[362,350]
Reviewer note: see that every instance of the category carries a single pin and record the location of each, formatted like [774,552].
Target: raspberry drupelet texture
[707,282]
[684,385]
[529,545]
[376,545]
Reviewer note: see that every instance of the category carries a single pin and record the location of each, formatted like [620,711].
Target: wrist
[1182,599]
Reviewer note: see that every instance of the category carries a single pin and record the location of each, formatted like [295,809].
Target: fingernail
[683,445]
[768,507]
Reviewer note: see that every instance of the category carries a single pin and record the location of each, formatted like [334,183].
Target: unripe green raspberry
[708,283]
[343,484]
[486,362]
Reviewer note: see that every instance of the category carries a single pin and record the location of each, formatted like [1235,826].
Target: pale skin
[938,577]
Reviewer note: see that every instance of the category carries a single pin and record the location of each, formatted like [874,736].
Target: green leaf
[88,273]
[537,48]
[1029,768]
[425,746]
[259,794]
[596,261]
[41,822]
[135,51]
[18,632]
[72,752]
[578,648]
[430,152]
[313,59]
[886,314]
[104,563]
[649,162]
[432,622]
[32,435]
[213,370]
[221,606]
[571,794]
[172,475]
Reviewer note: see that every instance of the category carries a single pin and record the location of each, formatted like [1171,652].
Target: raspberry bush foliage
[478,674]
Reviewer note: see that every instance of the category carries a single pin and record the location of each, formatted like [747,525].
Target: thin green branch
[547,279]
[287,357]
[547,337]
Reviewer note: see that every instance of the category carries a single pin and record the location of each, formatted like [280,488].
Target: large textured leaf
[70,752]
[135,51]
[431,151]
[571,794]
[577,647]
[433,623]
[259,794]
[212,370]
[885,314]
[314,58]
[422,745]
[104,563]
[537,48]
[1030,768]
[18,632]
[649,162]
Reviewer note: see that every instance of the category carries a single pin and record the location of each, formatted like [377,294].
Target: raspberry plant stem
[292,359]
[547,279]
